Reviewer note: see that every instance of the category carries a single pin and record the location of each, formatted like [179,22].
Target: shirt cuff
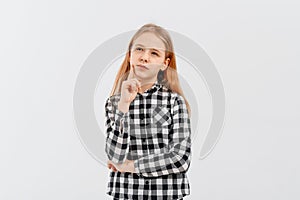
[136,166]
[121,121]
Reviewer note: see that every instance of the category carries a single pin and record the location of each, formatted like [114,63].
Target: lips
[142,66]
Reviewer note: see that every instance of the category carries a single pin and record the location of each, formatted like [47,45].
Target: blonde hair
[170,75]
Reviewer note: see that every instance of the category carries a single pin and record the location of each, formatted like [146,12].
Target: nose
[145,56]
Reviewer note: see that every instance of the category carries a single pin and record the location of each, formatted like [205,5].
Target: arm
[178,158]
[117,133]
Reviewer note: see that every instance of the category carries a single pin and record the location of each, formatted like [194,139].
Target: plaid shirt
[156,134]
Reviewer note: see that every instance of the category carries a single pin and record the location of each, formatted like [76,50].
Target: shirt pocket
[159,129]
[160,117]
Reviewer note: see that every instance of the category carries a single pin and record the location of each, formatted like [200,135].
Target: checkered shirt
[156,134]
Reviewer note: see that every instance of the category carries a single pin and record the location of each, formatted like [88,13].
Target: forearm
[117,134]
[127,166]
[174,161]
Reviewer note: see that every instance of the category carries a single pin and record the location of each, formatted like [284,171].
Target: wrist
[132,167]
[124,107]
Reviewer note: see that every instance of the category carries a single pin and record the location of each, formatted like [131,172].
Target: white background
[254,45]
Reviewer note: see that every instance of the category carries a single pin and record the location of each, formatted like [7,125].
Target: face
[147,57]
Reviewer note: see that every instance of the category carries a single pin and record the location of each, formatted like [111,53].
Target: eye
[154,53]
[138,49]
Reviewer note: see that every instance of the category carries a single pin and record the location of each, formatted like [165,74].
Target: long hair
[170,75]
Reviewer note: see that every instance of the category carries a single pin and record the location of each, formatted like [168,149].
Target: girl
[148,141]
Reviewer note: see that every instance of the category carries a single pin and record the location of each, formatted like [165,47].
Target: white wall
[254,45]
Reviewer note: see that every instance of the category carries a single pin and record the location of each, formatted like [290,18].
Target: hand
[111,166]
[130,88]
[127,166]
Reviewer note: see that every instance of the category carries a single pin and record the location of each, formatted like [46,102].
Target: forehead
[149,40]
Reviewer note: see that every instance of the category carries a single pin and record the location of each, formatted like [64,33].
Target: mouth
[142,66]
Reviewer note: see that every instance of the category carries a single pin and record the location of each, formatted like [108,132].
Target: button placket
[145,145]
[143,119]
[121,124]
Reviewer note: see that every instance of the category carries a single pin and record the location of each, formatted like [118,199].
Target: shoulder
[177,102]
[177,98]
[173,96]
[171,93]
[112,100]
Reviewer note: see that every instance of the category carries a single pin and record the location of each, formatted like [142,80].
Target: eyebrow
[150,48]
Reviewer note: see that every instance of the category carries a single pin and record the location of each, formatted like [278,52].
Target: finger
[131,73]
[109,166]
[137,82]
[132,83]
[133,86]
[112,167]
[115,168]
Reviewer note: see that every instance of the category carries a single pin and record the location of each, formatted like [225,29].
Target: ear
[166,64]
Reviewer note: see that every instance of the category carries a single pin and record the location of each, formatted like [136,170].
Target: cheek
[155,72]
[159,61]
[133,58]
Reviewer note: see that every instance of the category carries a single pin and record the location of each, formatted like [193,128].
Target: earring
[160,75]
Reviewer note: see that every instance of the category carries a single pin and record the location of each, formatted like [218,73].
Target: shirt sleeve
[117,132]
[178,158]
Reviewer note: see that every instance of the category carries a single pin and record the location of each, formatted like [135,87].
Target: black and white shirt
[156,134]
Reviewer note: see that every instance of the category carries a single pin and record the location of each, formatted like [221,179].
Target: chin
[141,75]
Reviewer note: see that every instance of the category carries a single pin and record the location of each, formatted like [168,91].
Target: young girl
[148,129]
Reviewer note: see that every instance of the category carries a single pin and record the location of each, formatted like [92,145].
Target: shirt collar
[156,86]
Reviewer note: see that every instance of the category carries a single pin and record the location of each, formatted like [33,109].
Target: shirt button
[147,182]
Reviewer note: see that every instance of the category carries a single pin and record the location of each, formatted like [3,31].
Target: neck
[145,86]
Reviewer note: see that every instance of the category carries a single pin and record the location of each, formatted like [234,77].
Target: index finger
[131,73]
